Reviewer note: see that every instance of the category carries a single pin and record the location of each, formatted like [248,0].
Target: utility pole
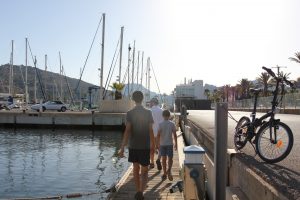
[278,68]
[102,56]
[128,71]
[121,50]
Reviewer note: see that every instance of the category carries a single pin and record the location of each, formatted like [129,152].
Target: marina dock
[76,119]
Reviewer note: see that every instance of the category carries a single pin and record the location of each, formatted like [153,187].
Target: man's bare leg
[136,176]
[144,177]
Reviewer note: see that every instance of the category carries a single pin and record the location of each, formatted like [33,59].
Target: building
[191,90]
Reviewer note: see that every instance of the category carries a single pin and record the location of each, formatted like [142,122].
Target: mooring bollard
[194,172]
[220,150]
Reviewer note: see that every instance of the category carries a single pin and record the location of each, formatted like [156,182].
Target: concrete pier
[58,119]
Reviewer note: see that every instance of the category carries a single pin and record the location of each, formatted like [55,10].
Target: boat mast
[35,76]
[128,71]
[137,70]
[148,77]
[26,77]
[133,54]
[11,70]
[102,56]
[61,78]
[142,71]
[121,50]
[46,73]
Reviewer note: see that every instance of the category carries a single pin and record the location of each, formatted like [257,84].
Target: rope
[37,72]
[231,117]
[156,81]
[111,65]
[111,74]
[88,55]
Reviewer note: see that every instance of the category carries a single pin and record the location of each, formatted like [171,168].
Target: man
[139,132]
[158,118]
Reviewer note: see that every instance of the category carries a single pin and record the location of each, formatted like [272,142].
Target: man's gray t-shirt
[140,118]
[166,129]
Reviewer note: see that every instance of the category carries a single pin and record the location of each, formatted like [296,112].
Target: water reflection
[37,163]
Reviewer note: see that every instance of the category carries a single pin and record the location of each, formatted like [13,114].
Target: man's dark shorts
[141,156]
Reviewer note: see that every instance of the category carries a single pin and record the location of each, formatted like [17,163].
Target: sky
[217,41]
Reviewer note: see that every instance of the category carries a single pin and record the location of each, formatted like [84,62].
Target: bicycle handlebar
[270,72]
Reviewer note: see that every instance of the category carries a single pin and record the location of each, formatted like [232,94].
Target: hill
[51,83]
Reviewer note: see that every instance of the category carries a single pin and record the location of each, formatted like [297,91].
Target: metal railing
[289,101]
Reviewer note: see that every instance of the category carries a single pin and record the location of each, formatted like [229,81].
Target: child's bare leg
[164,164]
[170,163]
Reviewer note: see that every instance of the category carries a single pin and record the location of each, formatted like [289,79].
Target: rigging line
[69,89]
[156,80]
[111,75]
[125,75]
[88,55]
[111,65]
[37,72]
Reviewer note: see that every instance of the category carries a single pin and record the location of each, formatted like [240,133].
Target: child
[165,143]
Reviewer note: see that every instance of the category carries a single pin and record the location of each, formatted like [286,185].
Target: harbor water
[39,163]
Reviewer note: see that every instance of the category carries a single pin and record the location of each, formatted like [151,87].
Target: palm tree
[226,92]
[245,87]
[207,93]
[297,57]
[264,79]
[118,87]
[216,96]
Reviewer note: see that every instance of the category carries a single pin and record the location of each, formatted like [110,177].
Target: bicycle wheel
[271,151]
[240,135]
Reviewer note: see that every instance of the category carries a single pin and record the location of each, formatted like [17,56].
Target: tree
[118,87]
[297,57]
[245,87]
[264,79]
[216,96]
[207,93]
[226,92]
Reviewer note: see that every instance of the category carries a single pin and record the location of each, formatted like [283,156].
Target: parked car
[50,105]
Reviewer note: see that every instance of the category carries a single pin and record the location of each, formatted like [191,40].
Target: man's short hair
[166,113]
[137,96]
[154,100]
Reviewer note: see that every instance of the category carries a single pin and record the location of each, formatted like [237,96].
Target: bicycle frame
[257,122]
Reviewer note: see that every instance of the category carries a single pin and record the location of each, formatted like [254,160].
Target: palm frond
[297,57]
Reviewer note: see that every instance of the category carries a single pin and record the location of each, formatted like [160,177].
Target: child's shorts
[166,151]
